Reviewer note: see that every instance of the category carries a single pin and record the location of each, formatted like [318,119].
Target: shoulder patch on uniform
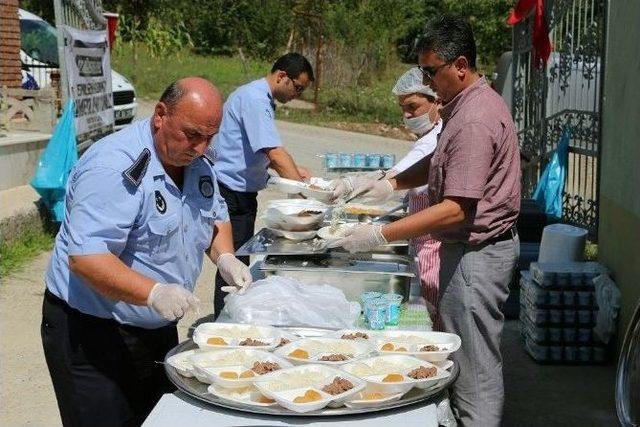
[136,171]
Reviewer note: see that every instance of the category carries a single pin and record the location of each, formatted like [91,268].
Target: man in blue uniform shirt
[248,144]
[142,209]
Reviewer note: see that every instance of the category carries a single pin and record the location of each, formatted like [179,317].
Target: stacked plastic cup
[364,299]
[377,313]
[394,302]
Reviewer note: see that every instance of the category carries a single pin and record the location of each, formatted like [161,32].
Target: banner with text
[88,67]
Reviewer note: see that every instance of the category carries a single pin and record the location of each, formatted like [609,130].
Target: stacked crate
[558,311]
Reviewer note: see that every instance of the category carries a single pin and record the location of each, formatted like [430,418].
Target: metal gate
[565,93]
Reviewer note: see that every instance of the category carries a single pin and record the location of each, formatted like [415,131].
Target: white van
[39,55]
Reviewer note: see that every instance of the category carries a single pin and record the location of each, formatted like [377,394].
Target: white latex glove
[343,188]
[171,300]
[378,192]
[362,238]
[235,273]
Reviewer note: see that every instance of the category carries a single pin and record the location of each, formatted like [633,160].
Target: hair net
[411,82]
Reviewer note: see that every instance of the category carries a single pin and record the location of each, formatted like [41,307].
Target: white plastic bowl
[318,347]
[414,340]
[285,395]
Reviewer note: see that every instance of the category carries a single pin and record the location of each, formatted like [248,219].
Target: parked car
[39,56]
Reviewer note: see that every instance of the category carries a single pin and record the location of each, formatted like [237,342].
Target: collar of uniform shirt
[451,108]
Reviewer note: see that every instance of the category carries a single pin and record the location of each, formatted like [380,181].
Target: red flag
[541,43]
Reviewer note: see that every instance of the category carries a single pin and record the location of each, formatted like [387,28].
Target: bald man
[142,209]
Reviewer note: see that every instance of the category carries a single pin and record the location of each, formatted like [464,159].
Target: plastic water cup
[360,160]
[364,299]
[346,160]
[373,161]
[394,302]
[377,313]
[388,160]
[331,160]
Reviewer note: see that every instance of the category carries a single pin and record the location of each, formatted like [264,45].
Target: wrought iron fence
[566,93]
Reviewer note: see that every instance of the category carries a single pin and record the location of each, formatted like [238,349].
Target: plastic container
[584,317]
[569,298]
[360,160]
[555,298]
[414,341]
[570,353]
[318,347]
[576,278]
[584,335]
[399,364]
[377,313]
[285,385]
[331,160]
[569,316]
[364,298]
[584,298]
[555,353]
[373,161]
[346,160]
[569,334]
[555,334]
[388,160]
[394,303]
[555,316]
[584,354]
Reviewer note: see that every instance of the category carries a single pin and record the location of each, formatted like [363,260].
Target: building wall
[619,228]
[9,44]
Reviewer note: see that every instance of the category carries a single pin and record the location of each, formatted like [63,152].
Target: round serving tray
[198,390]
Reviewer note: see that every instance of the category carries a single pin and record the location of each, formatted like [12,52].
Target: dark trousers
[243,208]
[103,373]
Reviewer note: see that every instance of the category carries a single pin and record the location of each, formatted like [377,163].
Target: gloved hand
[343,188]
[235,273]
[171,300]
[362,238]
[377,192]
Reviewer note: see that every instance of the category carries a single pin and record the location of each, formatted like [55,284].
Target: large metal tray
[264,242]
[198,390]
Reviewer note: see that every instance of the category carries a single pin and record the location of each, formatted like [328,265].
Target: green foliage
[227,73]
[489,21]
[23,249]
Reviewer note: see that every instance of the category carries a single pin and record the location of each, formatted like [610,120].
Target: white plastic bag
[608,299]
[282,301]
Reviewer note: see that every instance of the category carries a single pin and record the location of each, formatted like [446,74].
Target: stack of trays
[558,312]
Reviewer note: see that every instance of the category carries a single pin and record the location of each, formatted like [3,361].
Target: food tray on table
[202,392]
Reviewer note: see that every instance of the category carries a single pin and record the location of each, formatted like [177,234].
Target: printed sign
[87,60]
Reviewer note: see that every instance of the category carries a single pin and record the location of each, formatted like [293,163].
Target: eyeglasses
[429,73]
[298,87]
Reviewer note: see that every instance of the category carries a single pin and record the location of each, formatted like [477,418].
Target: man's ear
[281,75]
[159,112]
[462,65]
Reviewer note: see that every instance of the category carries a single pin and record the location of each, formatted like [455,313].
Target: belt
[507,235]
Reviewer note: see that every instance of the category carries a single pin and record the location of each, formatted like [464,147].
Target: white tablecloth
[179,409]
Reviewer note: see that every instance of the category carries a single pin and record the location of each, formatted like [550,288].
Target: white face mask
[420,125]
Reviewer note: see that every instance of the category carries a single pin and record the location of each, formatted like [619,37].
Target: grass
[23,248]
[366,103]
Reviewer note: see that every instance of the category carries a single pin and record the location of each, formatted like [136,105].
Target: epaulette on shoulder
[136,171]
[210,156]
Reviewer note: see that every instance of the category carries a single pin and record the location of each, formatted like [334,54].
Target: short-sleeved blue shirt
[248,127]
[119,199]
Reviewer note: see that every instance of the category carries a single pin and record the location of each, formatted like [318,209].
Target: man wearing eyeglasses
[474,192]
[249,143]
